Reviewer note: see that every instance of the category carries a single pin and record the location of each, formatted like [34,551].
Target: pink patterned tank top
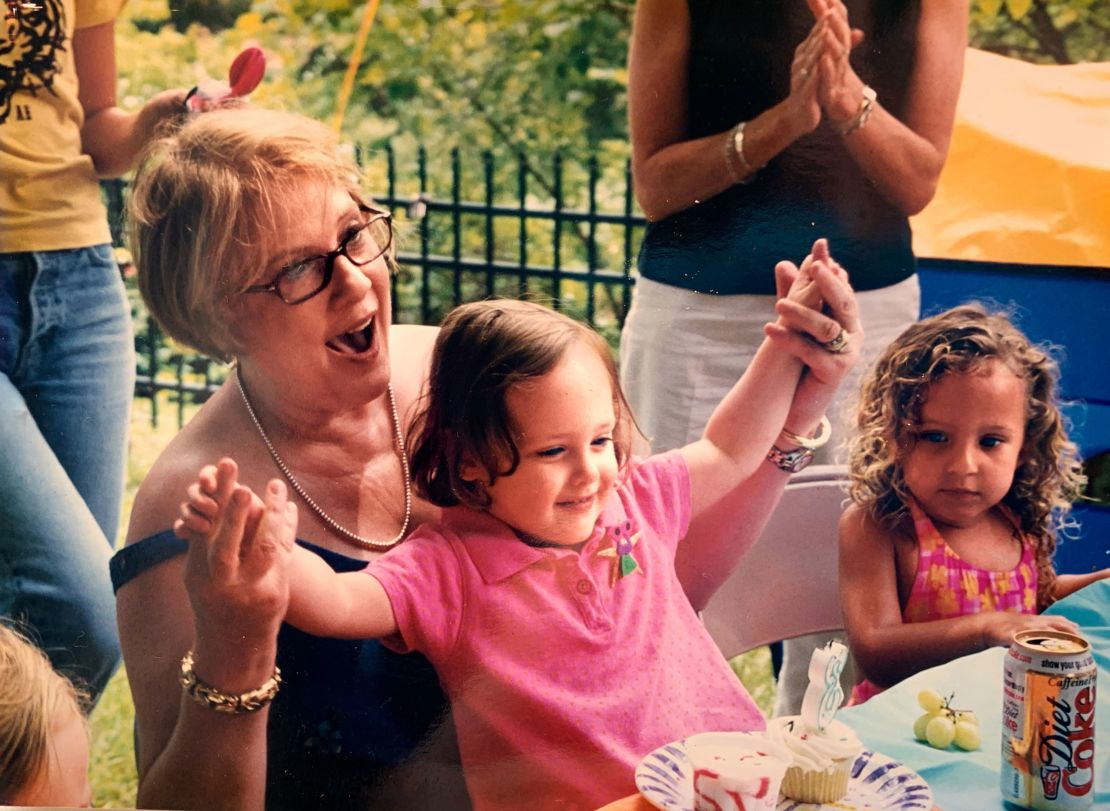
[946,586]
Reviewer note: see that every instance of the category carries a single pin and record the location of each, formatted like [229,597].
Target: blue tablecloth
[968,781]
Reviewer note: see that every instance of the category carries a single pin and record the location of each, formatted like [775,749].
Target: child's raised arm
[888,649]
[746,423]
[245,548]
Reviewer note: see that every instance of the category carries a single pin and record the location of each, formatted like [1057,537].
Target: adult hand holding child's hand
[818,316]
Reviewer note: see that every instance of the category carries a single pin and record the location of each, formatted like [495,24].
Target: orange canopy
[1028,173]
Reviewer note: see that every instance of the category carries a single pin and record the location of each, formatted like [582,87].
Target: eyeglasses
[300,281]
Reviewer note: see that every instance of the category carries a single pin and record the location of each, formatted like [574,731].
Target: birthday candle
[824,695]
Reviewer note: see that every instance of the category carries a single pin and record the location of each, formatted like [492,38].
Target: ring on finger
[837,345]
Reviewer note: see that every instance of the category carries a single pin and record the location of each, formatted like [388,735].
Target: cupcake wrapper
[817,787]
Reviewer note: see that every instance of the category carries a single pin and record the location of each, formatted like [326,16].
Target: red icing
[764,788]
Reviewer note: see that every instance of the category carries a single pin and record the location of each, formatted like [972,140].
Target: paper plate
[878,782]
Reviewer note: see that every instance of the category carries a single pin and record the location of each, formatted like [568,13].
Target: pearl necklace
[342,531]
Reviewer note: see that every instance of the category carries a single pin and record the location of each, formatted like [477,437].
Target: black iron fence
[564,234]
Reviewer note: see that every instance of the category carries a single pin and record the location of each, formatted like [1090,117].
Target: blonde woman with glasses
[256,244]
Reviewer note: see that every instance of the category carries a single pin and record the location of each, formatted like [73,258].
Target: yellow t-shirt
[49,195]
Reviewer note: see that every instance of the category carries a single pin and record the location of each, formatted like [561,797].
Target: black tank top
[739,66]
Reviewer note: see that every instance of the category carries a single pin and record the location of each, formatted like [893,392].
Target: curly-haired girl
[961,475]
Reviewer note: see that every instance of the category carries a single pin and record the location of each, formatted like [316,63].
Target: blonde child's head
[483,350]
[965,340]
[43,736]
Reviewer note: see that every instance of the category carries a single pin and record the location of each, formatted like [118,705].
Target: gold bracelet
[228,703]
[810,443]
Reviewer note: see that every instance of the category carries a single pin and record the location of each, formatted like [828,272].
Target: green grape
[930,700]
[920,723]
[940,731]
[967,715]
[967,735]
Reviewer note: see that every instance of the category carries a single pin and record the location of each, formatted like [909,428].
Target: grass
[112,757]
[112,753]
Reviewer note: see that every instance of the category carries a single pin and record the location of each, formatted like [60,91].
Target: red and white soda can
[1048,722]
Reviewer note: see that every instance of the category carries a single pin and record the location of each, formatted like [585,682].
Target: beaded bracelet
[228,703]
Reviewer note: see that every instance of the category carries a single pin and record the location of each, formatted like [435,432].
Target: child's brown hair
[484,349]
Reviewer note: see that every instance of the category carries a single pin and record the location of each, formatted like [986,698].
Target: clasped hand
[816,306]
[822,81]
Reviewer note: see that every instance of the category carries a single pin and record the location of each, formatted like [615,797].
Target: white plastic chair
[786,585]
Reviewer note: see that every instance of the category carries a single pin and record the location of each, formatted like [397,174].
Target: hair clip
[243,76]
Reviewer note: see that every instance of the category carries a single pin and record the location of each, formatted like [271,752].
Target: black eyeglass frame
[376,215]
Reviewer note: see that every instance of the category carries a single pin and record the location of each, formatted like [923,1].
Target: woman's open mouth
[354,342]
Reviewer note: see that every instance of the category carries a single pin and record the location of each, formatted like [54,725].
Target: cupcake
[822,749]
[820,761]
[735,771]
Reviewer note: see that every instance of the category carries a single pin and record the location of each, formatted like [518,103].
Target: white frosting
[811,750]
[735,771]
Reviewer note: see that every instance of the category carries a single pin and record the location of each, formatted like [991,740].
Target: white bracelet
[824,431]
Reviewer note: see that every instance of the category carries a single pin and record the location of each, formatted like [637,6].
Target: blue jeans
[67,377]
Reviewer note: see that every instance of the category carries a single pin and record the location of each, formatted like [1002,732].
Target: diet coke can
[1048,722]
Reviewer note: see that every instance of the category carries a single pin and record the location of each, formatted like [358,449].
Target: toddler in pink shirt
[546,597]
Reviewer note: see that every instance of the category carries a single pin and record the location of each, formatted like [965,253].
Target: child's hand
[799,284]
[826,336]
[236,571]
[207,497]
[1002,625]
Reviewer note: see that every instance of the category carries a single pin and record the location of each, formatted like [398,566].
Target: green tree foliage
[512,85]
[537,76]
[1047,31]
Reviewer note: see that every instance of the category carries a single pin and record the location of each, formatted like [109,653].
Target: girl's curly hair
[961,340]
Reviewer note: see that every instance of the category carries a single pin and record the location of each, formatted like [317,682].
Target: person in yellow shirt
[66,350]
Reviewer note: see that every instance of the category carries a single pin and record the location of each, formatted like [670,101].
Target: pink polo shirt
[561,680]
